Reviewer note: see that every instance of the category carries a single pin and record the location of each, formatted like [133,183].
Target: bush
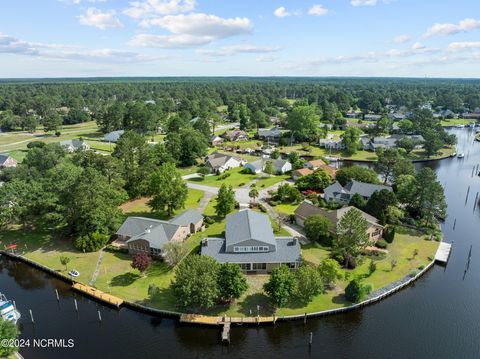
[356,291]
[209,220]
[262,208]
[91,242]
[381,244]
[223,176]
[36,144]
[114,249]
[389,234]
[430,258]
[58,134]
[413,273]
[421,267]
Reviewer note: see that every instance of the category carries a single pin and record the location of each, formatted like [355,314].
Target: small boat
[461,155]
[460,126]
[7,310]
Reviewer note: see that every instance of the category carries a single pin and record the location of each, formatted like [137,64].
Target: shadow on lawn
[124,280]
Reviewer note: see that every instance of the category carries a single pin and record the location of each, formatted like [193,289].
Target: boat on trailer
[8,310]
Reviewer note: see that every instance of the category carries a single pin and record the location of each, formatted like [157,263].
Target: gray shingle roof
[3,158]
[76,144]
[136,225]
[217,159]
[157,236]
[248,225]
[287,251]
[113,136]
[187,217]
[364,189]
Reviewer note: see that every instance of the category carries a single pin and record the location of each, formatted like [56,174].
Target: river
[437,317]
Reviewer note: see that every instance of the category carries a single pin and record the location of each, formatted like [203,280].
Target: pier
[95,293]
[443,252]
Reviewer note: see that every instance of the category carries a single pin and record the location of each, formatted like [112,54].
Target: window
[245,266]
[292,265]
[250,249]
[259,266]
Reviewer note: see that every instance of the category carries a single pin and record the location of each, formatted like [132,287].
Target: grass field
[456,121]
[236,179]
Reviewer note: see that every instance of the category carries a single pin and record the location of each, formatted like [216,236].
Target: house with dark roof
[279,166]
[270,135]
[249,242]
[113,136]
[220,162]
[235,135]
[385,142]
[148,235]
[7,161]
[307,209]
[74,145]
[343,195]
[215,141]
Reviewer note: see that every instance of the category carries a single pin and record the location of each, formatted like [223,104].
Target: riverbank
[117,278]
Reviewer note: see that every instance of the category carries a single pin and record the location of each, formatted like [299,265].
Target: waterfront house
[113,136]
[301,172]
[219,162]
[270,135]
[307,209]
[385,142]
[249,242]
[331,143]
[75,145]
[148,235]
[7,161]
[343,195]
[320,164]
[279,166]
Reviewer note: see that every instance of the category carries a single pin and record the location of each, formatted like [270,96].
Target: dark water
[437,317]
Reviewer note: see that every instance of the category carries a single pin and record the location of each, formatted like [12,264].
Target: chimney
[205,242]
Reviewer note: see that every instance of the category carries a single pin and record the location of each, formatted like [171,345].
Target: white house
[219,162]
[75,145]
[279,166]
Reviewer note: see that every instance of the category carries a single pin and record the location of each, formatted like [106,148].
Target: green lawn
[456,121]
[286,208]
[236,179]
[139,207]
[267,181]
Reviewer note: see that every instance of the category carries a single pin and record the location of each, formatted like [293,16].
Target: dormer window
[250,249]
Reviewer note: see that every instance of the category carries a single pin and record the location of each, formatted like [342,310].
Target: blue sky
[77,38]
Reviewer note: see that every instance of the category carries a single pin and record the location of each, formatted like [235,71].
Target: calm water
[438,317]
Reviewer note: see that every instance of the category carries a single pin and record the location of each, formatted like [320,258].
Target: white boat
[461,155]
[7,310]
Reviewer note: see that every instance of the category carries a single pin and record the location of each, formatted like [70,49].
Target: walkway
[97,269]
[207,196]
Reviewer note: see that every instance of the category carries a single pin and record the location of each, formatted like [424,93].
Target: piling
[311,339]
[305,319]
[56,293]
[99,316]
[454,223]
[76,305]
[31,316]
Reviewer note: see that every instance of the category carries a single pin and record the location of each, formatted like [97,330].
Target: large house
[75,145]
[279,166]
[331,143]
[249,242]
[307,209]
[113,136]
[301,173]
[219,162]
[148,235]
[343,195]
[7,161]
[388,142]
[270,135]
[235,135]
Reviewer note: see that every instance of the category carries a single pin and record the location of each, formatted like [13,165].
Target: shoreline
[373,298]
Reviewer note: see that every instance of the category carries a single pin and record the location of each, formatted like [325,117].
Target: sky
[99,38]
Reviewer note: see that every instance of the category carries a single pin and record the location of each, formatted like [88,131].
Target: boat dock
[211,320]
[443,252]
[95,293]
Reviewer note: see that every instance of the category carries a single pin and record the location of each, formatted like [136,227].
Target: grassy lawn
[456,121]
[139,207]
[287,208]
[236,179]
[268,181]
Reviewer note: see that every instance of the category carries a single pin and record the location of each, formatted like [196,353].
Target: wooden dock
[212,320]
[95,293]
[443,252]
[226,332]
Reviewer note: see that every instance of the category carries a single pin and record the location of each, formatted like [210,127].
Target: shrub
[209,220]
[223,176]
[430,258]
[58,134]
[372,267]
[91,242]
[356,291]
[262,208]
[381,244]
[421,267]
[114,249]
[413,273]
[36,144]
[389,234]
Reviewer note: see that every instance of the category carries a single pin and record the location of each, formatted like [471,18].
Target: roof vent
[147,230]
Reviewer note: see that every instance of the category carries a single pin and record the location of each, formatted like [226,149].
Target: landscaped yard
[456,121]
[235,179]
[285,208]
[139,207]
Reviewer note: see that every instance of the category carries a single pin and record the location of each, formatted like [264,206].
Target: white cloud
[191,30]
[282,12]
[466,45]
[418,46]
[318,10]
[363,2]
[264,58]
[240,49]
[452,29]
[100,19]
[153,8]
[14,46]
[401,39]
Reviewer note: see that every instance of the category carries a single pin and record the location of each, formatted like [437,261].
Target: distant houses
[316,164]
[113,136]
[388,141]
[278,166]
[307,209]
[148,235]
[249,242]
[342,195]
[7,161]
[271,135]
[235,135]
[219,162]
[215,141]
[74,145]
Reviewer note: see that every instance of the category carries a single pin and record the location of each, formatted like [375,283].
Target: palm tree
[253,193]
